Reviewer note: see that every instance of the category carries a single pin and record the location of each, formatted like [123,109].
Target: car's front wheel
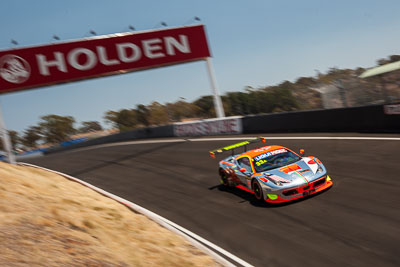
[258,193]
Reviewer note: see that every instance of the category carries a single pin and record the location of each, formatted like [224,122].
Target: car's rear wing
[237,145]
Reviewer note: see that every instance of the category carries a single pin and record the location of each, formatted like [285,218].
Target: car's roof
[261,150]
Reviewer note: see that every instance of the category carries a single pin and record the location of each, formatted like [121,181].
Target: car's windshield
[274,159]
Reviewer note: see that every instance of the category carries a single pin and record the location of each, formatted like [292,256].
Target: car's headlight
[319,169]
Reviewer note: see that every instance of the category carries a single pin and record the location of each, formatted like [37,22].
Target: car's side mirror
[244,171]
[302,152]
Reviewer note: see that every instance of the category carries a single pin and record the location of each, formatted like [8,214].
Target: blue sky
[254,43]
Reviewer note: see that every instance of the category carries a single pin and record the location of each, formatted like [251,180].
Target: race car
[273,173]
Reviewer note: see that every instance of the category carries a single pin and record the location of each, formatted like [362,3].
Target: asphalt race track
[355,223]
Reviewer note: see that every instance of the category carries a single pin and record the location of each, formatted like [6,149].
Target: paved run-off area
[355,223]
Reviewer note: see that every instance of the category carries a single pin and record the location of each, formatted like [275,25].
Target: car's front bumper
[298,192]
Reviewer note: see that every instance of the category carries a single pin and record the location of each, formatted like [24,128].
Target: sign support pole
[6,140]
[219,109]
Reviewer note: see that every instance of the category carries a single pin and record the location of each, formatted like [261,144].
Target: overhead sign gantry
[68,61]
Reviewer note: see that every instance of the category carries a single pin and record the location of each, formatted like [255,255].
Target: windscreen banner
[61,62]
[229,125]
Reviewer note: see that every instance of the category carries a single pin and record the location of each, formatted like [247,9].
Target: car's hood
[300,172]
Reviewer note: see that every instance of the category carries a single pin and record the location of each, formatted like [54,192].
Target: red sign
[99,56]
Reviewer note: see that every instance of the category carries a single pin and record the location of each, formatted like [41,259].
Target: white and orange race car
[272,173]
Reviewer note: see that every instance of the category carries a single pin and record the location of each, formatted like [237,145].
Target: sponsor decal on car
[311,162]
[291,168]
[271,153]
[263,179]
[262,149]
[276,178]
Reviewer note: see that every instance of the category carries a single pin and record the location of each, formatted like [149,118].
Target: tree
[56,128]
[394,58]
[31,136]
[124,119]
[110,117]
[239,103]
[157,114]
[306,81]
[382,61]
[143,115]
[284,100]
[205,106]
[90,126]
[181,109]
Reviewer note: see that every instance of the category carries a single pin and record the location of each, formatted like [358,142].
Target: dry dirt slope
[47,220]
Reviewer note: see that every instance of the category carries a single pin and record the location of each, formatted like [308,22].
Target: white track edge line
[233,139]
[188,235]
[299,138]
[123,144]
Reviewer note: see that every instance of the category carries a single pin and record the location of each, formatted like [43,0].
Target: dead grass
[47,220]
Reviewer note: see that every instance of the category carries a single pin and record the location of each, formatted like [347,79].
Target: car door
[245,177]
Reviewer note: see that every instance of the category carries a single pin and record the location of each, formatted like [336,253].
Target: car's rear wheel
[258,193]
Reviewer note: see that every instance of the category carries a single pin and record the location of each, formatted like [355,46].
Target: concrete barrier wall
[358,119]
[151,132]
[373,119]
